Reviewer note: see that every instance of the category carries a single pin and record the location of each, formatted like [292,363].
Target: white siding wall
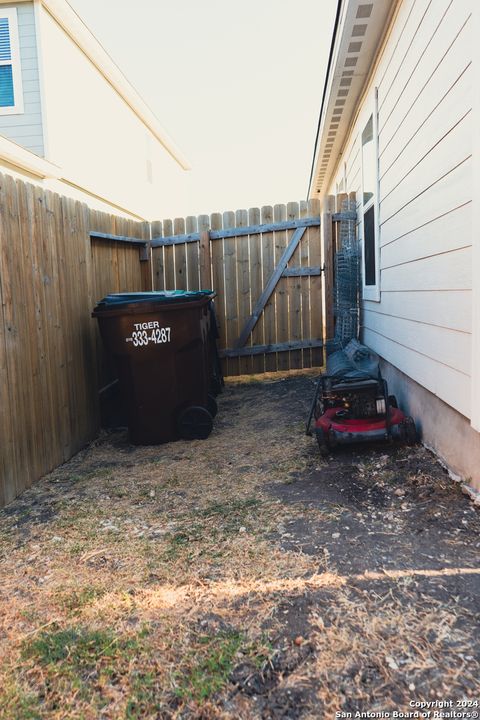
[96,138]
[26,128]
[423,323]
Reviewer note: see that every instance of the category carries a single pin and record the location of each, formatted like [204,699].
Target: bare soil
[239,577]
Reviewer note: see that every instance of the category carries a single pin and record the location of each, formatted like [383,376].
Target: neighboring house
[69,116]
[399,127]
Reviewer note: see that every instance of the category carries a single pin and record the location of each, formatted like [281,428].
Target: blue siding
[26,129]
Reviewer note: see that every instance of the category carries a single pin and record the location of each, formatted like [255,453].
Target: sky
[236,83]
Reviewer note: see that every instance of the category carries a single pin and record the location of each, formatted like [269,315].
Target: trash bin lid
[162,297]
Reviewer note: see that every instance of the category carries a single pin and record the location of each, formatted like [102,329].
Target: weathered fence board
[231,296]
[328,249]
[268,294]
[243,279]
[192,254]
[305,289]
[276,347]
[280,329]
[158,263]
[316,285]
[269,287]
[168,258]
[253,228]
[58,258]
[255,247]
[180,255]
[294,294]
[51,274]
[272,308]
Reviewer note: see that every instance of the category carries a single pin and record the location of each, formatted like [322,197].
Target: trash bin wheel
[212,406]
[195,423]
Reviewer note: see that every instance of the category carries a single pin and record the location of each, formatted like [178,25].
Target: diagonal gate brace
[270,286]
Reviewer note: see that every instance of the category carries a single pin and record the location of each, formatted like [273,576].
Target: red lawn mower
[351,403]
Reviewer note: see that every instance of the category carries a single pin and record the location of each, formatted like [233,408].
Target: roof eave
[357,43]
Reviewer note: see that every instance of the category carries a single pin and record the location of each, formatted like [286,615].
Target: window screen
[369,245]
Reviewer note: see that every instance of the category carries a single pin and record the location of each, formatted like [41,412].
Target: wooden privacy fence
[265,266]
[58,258]
[54,266]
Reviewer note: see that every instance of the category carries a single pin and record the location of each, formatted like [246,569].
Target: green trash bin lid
[162,297]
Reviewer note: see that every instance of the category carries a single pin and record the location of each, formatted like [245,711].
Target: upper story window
[11,94]
[369,209]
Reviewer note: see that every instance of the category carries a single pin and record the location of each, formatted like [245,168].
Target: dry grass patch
[165,582]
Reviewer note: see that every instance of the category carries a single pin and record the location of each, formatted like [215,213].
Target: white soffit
[362,27]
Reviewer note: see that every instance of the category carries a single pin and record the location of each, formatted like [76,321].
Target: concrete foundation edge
[442,429]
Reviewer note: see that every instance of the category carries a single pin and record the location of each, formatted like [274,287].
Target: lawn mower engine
[352,404]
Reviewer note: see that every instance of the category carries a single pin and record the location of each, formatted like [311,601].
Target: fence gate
[265,266]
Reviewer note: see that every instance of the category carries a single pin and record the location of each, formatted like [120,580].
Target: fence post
[146,267]
[205,261]
[328,251]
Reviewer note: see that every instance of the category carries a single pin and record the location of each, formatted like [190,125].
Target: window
[369,209]
[11,95]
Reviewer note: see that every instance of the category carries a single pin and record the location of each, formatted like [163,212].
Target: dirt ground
[239,577]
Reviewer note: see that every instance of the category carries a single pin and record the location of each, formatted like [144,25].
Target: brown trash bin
[161,346]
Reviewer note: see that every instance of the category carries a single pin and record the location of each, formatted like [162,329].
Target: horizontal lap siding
[449,153]
[26,129]
[445,195]
[450,385]
[452,310]
[447,99]
[448,271]
[443,233]
[442,345]
[423,323]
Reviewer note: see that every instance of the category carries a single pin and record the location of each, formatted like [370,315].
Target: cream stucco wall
[95,137]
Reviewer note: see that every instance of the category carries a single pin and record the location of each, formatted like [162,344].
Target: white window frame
[11,14]
[371,292]
[475,393]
